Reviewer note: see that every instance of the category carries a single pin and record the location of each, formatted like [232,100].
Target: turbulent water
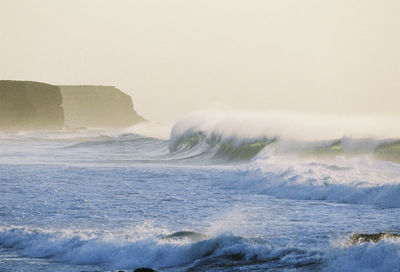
[220,192]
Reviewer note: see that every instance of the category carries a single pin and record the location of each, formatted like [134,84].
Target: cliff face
[27,105]
[97,106]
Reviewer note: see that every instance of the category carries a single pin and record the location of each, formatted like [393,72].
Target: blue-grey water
[101,200]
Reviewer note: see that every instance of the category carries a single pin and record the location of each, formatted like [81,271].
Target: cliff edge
[28,105]
[97,106]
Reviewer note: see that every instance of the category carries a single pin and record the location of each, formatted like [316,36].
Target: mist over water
[289,125]
[216,191]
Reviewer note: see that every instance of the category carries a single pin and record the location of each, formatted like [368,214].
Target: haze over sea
[219,191]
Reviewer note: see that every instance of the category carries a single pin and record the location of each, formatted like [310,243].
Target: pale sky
[177,56]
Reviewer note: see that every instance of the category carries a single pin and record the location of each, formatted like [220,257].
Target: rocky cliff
[28,105]
[97,106]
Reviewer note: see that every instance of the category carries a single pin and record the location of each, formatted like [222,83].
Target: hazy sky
[174,56]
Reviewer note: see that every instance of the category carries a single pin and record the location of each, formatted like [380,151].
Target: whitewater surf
[218,191]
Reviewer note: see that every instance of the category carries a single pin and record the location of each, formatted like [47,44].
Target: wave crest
[241,136]
[219,147]
[225,250]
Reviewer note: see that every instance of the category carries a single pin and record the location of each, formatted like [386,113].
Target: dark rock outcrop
[373,237]
[144,269]
[97,106]
[28,105]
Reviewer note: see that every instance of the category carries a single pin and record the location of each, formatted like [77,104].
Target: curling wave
[214,137]
[240,136]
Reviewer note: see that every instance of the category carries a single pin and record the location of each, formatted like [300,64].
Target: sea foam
[119,251]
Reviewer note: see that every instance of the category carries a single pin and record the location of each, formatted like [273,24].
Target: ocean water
[216,193]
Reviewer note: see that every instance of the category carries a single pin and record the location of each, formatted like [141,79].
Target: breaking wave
[292,159]
[215,137]
[184,253]
[329,183]
[124,252]
[242,136]
[381,256]
[282,155]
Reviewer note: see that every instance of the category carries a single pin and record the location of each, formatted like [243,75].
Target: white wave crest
[285,125]
[126,253]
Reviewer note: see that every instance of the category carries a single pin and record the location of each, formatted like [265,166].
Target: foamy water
[236,192]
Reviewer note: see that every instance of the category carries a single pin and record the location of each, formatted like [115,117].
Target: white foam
[127,250]
[124,252]
[355,180]
[366,257]
[150,129]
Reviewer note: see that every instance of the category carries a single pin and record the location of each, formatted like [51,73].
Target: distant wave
[282,168]
[217,137]
[123,139]
[305,166]
[219,147]
[243,136]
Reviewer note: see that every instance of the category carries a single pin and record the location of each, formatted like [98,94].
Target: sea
[215,191]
